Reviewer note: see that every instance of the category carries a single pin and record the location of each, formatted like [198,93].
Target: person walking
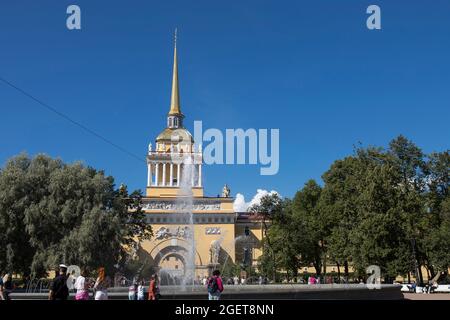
[102,284]
[59,289]
[432,286]
[141,291]
[153,288]
[132,291]
[412,287]
[7,285]
[215,286]
[82,286]
[2,297]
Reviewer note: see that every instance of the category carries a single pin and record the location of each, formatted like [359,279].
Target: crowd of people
[137,291]
[229,281]
[428,288]
[59,289]
[62,285]
[83,285]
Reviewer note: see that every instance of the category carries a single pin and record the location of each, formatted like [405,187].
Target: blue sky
[310,68]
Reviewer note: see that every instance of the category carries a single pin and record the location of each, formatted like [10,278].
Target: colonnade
[171,170]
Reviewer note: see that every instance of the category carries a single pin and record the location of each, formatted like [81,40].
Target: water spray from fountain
[185,206]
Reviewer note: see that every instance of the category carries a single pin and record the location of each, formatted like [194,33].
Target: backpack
[213,287]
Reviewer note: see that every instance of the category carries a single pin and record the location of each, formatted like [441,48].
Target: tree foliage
[52,212]
[386,207]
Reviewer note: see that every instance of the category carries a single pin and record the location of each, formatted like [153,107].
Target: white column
[178,174]
[157,174]
[164,174]
[171,175]
[199,175]
[149,174]
[192,174]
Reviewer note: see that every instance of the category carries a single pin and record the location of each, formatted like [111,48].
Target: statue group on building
[165,233]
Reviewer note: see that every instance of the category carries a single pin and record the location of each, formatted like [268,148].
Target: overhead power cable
[74,122]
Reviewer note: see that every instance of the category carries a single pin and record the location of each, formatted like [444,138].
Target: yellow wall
[163,192]
[202,244]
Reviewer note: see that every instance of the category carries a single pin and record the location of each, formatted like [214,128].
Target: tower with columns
[174,152]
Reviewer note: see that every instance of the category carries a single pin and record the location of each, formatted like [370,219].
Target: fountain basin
[260,292]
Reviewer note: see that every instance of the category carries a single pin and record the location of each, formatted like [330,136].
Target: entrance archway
[171,263]
[169,258]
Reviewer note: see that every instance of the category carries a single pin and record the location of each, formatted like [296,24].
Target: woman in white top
[101,285]
[141,291]
[82,287]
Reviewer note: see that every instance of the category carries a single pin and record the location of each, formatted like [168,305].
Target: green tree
[53,212]
[409,162]
[437,239]
[16,252]
[311,224]
[270,209]
[386,207]
[287,242]
[374,201]
[339,200]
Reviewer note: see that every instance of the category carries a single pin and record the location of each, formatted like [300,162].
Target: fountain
[185,205]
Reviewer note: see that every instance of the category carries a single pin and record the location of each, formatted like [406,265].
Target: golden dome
[174,135]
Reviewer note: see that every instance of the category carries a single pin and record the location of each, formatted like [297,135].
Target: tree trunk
[295,274]
[318,266]
[417,265]
[274,268]
[420,275]
[338,271]
[346,276]
[432,271]
[266,236]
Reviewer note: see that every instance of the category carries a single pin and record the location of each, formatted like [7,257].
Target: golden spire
[175,98]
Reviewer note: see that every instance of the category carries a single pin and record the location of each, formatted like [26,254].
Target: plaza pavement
[421,296]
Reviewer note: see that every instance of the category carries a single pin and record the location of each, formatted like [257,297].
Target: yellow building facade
[186,224]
